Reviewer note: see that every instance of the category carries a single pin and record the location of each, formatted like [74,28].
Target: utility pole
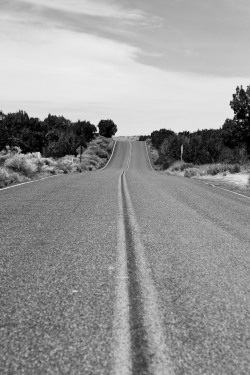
[81,153]
[181,152]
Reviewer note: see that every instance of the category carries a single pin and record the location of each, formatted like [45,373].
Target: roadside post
[79,151]
[80,154]
[181,152]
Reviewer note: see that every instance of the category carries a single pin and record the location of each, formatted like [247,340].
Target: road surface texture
[124,271]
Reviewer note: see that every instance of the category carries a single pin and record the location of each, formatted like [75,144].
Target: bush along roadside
[234,176]
[16,167]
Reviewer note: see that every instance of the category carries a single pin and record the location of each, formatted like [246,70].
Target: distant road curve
[124,271]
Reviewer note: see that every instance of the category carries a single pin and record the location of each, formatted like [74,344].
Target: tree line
[229,144]
[55,136]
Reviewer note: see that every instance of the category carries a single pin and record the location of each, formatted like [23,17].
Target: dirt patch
[238,182]
[239,179]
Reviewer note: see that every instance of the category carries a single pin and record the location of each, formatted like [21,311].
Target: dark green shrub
[191,172]
[102,153]
[143,138]
[213,170]
[166,164]
[161,160]
[18,163]
[65,165]
[175,168]
[234,168]
[185,166]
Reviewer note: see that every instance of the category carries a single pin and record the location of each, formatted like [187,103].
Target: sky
[145,64]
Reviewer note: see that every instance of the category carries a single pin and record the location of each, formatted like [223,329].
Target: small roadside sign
[80,150]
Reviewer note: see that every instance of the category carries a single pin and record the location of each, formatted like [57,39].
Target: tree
[32,136]
[107,128]
[158,136]
[237,131]
[171,147]
[13,126]
[241,104]
[143,138]
[230,133]
[85,132]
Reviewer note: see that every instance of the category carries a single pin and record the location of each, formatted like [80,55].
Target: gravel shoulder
[238,182]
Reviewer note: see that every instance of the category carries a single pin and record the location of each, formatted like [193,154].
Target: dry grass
[230,176]
[16,167]
[234,177]
[152,153]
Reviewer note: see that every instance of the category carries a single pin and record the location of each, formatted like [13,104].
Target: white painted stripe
[98,170]
[148,157]
[122,364]
[230,191]
[40,179]
[30,182]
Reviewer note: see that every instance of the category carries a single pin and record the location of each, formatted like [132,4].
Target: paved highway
[124,271]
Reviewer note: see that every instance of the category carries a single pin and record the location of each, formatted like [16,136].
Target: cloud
[80,64]
[106,19]
[94,8]
[181,36]
[84,76]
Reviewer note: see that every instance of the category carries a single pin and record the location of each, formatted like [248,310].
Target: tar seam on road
[122,364]
[139,344]
[129,157]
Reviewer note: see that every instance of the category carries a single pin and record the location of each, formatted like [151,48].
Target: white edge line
[148,157]
[98,170]
[206,183]
[30,182]
[218,187]
[60,174]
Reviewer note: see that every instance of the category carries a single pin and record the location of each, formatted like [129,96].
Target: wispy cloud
[92,8]
[183,36]
[78,8]
[147,65]
[107,19]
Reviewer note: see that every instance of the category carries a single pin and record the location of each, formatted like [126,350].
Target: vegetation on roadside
[31,148]
[227,148]
[191,170]
[55,136]
[107,128]
[17,167]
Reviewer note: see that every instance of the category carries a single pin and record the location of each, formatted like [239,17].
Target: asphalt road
[124,271]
